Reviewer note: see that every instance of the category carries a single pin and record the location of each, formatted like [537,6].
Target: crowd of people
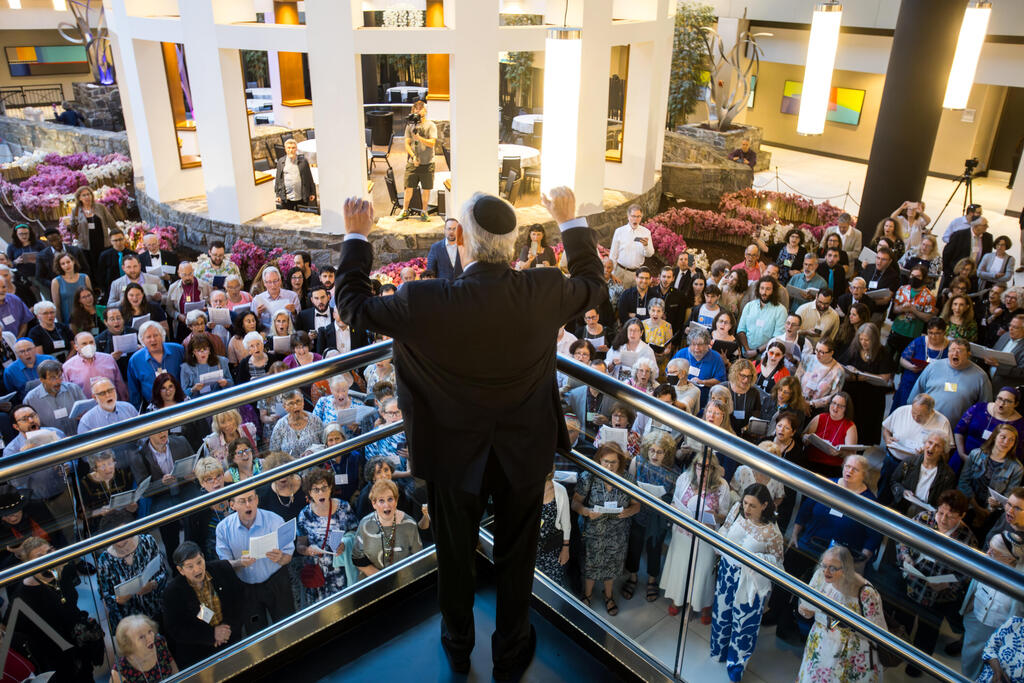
[822,355]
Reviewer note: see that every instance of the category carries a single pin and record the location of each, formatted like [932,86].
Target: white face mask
[88,351]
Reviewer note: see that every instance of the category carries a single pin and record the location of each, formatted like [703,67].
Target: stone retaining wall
[704,183]
[25,136]
[694,144]
[396,242]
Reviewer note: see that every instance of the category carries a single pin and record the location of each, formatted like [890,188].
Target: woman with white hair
[198,323]
[835,652]
[985,609]
[256,364]
[925,476]
[337,403]
[280,326]
[644,375]
[144,653]
[236,295]
[51,337]
[298,429]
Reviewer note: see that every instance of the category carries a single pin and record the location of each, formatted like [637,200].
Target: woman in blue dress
[66,284]
[928,348]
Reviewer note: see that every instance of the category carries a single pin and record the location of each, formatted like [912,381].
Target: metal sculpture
[91,23]
[729,84]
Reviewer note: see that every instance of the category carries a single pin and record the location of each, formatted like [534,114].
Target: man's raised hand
[358,216]
[561,204]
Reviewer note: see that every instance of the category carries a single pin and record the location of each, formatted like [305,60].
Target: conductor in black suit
[479,424]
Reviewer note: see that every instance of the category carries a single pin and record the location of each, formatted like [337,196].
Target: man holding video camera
[420,138]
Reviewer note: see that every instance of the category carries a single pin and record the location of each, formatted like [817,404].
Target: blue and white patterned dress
[1007,646]
[314,528]
[741,593]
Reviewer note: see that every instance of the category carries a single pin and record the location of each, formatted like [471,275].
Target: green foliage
[518,70]
[690,62]
[255,68]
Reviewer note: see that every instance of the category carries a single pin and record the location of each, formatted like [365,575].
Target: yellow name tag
[951,386]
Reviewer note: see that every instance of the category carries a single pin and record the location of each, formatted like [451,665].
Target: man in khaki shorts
[420,138]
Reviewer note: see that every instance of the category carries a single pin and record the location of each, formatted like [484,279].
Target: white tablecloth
[524,122]
[530,156]
[404,90]
[308,149]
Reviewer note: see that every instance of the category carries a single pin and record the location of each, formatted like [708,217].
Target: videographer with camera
[420,138]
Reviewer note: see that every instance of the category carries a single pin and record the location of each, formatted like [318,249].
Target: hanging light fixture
[562,65]
[821,58]
[14,4]
[968,49]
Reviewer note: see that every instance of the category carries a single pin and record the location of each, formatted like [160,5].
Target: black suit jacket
[167,258]
[143,464]
[887,279]
[438,261]
[306,318]
[191,636]
[326,339]
[839,282]
[461,402]
[308,188]
[959,246]
[844,302]
[44,262]
[684,285]
[109,269]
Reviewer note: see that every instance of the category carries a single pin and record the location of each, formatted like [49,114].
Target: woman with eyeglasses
[835,652]
[242,462]
[746,399]
[866,356]
[701,480]
[627,348]
[986,609]
[992,467]
[934,602]
[600,336]
[321,532]
[837,428]
[771,367]
[740,593]
[929,348]
[582,351]
[785,395]
[977,424]
[821,376]
[394,448]
[723,336]
[298,429]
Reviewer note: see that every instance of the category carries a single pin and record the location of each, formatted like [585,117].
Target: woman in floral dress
[835,652]
[605,534]
[125,560]
[741,593]
[317,524]
[553,542]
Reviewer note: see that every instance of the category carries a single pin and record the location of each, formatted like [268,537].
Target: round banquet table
[524,122]
[529,156]
[308,149]
[404,90]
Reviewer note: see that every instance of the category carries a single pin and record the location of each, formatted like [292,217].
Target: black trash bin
[379,122]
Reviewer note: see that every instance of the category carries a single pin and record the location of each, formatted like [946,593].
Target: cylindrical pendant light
[562,65]
[821,57]
[968,49]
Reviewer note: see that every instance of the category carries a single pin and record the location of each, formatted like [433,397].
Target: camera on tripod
[970,165]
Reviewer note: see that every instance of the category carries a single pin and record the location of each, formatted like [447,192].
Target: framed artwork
[844,104]
[46,60]
[750,96]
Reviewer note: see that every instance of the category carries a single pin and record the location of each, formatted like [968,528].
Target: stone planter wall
[704,183]
[257,141]
[24,136]
[695,144]
[100,105]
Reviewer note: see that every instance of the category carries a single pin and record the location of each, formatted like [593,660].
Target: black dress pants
[455,520]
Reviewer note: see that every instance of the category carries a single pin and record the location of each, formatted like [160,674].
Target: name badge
[873,284]
[8,320]
[984,435]
[61,413]
[693,372]
[641,310]
[592,416]
[205,614]
[834,512]
[340,479]
[739,414]
[397,548]
[950,386]
[58,344]
[787,262]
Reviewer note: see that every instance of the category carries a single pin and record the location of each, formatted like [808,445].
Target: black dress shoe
[954,648]
[457,660]
[514,670]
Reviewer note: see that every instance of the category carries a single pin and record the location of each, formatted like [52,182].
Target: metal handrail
[776,574]
[135,428]
[963,558]
[193,505]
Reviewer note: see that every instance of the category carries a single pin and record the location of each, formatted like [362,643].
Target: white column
[1017,197]
[335,81]
[218,93]
[593,105]
[474,99]
[140,72]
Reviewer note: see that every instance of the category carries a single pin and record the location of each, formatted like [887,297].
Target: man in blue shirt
[267,587]
[761,319]
[962,222]
[24,370]
[154,358]
[807,278]
[107,411]
[14,314]
[706,366]
[48,485]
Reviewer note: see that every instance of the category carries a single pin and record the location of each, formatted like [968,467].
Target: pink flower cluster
[50,179]
[75,161]
[250,257]
[135,231]
[667,244]
[391,273]
[285,262]
[113,196]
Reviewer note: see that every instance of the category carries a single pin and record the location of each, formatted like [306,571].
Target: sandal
[586,599]
[629,588]
[652,591]
[610,606]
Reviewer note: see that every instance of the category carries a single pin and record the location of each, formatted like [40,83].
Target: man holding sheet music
[904,433]
[1007,370]
[167,461]
[856,295]
[183,295]
[48,485]
[107,411]
[955,382]
[259,545]
[54,399]
[882,277]
[132,267]
[804,286]
[274,298]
